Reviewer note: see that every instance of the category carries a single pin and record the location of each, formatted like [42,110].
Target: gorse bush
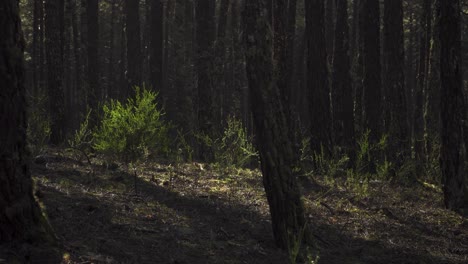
[132,130]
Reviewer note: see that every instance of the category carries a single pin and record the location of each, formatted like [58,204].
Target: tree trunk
[330,28]
[157,46]
[223,93]
[394,82]
[453,108]
[317,78]
[134,57]
[205,27]
[424,47]
[342,93]
[432,95]
[369,24]
[94,93]
[20,216]
[54,57]
[284,198]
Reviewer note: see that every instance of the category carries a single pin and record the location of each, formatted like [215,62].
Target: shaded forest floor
[191,213]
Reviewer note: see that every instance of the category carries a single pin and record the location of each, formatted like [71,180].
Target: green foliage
[38,132]
[82,140]
[133,130]
[234,148]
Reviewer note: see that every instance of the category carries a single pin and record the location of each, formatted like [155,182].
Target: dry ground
[191,213]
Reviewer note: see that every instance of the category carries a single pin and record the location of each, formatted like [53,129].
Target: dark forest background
[366,91]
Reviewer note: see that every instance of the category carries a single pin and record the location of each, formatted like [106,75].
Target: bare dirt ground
[191,213]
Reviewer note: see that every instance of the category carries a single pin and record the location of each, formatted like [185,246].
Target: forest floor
[193,213]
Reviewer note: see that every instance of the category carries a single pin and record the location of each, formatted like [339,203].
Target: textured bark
[369,24]
[284,198]
[342,94]
[317,78]
[394,82]
[54,58]
[432,94]
[94,92]
[111,89]
[21,220]
[223,93]
[205,35]
[424,45]
[157,45]
[134,57]
[330,28]
[453,108]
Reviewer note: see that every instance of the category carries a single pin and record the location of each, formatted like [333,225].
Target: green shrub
[233,148]
[236,146]
[131,131]
[82,140]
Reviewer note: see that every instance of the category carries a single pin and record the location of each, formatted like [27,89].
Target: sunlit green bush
[132,130]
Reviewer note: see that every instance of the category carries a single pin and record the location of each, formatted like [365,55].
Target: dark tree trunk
[224,95]
[432,95]
[20,216]
[317,78]
[94,93]
[342,93]
[424,47]
[205,35]
[54,57]
[157,46]
[286,208]
[453,108]
[134,57]
[410,76]
[369,24]
[394,82]
[330,28]
[111,89]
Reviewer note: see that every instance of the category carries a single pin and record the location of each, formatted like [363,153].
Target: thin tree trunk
[318,78]
[342,93]
[134,57]
[394,82]
[54,56]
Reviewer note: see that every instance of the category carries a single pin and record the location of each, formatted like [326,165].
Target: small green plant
[82,140]
[233,148]
[133,130]
[236,147]
[38,124]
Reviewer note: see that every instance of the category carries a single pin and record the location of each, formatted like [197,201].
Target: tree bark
[134,57]
[394,82]
[94,93]
[425,26]
[369,24]
[318,78]
[284,198]
[20,216]
[205,35]
[342,94]
[453,108]
[54,58]
[157,46]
